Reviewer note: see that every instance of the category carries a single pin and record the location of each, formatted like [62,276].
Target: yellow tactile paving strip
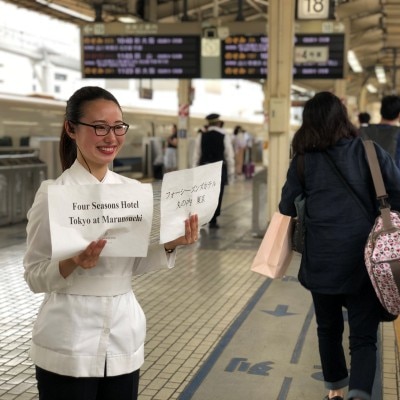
[397,331]
[390,360]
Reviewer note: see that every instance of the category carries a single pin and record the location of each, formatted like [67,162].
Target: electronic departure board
[135,56]
[316,56]
[244,57]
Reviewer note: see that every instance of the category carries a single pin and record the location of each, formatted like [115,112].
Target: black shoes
[333,398]
[213,225]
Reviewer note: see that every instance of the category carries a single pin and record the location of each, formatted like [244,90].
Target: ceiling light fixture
[371,88]
[127,19]
[65,10]
[353,61]
[299,88]
[380,74]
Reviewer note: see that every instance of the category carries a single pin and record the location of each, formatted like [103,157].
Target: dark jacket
[387,136]
[212,146]
[336,227]
[213,150]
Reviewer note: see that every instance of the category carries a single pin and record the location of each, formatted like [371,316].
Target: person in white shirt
[239,146]
[171,151]
[88,338]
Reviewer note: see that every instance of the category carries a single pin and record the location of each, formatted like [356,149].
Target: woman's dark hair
[74,112]
[325,121]
[237,130]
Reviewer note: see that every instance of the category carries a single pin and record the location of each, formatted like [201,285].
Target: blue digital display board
[244,57]
[316,56]
[131,56]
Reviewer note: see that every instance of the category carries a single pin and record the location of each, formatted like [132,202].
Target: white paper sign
[120,213]
[186,192]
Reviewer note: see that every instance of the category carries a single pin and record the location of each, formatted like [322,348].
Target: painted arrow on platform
[280,311]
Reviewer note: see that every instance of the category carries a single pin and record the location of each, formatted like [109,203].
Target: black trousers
[224,181]
[52,386]
[364,313]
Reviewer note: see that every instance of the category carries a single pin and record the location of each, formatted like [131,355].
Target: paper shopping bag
[275,252]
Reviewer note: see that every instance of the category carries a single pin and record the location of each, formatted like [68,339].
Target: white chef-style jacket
[91,319]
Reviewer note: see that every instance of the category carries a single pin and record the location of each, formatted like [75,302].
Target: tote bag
[299,225]
[275,252]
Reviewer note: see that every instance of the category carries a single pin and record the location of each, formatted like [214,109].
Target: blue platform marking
[280,311]
[284,389]
[302,336]
[191,388]
[198,379]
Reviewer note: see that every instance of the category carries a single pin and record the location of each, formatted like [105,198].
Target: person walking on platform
[387,132]
[239,146]
[214,145]
[88,338]
[171,156]
[363,119]
[332,265]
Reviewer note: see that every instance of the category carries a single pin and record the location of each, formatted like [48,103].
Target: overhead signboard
[180,51]
[141,56]
[244,57]
[316,56]
[315,9]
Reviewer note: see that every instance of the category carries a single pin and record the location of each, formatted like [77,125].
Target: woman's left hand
[190,236]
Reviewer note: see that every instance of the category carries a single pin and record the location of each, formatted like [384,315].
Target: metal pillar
[183,122]
[363,99]
[340,89]
[150,11]
[280,64]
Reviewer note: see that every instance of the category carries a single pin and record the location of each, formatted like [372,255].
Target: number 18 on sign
[314,9]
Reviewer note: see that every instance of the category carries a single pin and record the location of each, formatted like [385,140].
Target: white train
[30,128]
[24,116]
[36,122]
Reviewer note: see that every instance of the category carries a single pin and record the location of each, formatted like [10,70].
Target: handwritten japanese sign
[185,192]
[120,213]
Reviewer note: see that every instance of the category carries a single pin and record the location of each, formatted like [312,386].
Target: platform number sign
[314,9]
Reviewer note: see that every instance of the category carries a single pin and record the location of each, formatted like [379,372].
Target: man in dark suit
[211,146]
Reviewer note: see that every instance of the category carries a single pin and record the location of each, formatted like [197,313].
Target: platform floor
[216,330]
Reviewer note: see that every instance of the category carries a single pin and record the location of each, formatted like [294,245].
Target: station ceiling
[373,27]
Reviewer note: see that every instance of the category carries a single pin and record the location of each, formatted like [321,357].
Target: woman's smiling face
[93,151]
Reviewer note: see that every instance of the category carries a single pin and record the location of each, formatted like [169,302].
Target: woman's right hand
[87,259]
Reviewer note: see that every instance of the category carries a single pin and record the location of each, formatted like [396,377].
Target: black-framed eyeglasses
[104,129]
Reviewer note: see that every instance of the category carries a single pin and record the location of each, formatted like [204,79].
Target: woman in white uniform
[88,339]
